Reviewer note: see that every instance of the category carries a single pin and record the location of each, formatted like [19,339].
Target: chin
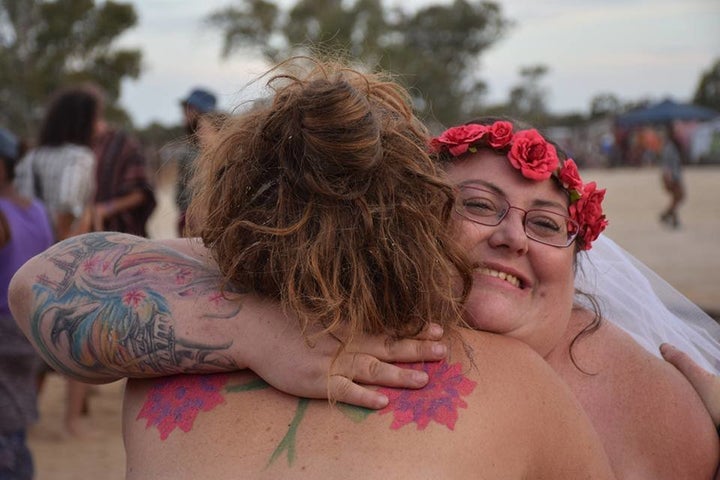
[490,315]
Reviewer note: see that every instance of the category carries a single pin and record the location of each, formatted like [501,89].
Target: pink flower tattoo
[133,298]
[175,402]
[90,265]
[439,400]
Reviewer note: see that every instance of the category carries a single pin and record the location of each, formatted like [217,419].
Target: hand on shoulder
[705,383]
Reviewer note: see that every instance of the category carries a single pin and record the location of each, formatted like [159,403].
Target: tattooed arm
[103,306]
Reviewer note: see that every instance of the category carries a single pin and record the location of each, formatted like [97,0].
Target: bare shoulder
[635,399]
[542,409]
[611,355]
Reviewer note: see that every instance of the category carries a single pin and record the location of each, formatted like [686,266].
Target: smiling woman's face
[521,288]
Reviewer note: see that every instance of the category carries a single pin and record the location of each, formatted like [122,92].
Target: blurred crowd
[80,174]
[603,143]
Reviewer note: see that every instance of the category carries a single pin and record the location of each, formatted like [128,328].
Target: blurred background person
[671,160]
[199,102]
[25,231]
[124,197]
[60,171]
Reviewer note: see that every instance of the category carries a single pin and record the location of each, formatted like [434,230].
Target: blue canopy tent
[664,112]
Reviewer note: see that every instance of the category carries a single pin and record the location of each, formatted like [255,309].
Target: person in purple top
[25,231]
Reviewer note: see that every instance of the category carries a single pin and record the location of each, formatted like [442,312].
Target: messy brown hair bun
[324,197]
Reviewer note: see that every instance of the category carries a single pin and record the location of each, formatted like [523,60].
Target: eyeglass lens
[489,208]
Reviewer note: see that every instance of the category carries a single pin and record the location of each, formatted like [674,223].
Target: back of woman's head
[71,116]
[325,197]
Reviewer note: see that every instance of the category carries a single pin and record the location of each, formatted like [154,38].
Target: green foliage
[708,89]
[48,44]
[436,49]
[604,104]
[527,99]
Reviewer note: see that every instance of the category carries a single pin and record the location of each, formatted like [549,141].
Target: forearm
[104,306]
[123,203]
[64,225]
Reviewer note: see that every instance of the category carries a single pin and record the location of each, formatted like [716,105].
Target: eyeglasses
[488,208]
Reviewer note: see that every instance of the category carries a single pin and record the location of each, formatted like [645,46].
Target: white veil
[637,300]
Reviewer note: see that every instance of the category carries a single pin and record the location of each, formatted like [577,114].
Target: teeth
[511,279]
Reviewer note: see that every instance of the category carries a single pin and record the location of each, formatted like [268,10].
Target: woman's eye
[480,206]
[546,224]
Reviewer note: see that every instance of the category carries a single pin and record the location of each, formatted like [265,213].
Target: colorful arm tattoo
[110,305]
[176,402]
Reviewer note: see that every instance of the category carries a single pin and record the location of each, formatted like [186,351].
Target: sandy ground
[688,258]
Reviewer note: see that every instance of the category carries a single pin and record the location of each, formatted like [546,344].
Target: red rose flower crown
[536,159]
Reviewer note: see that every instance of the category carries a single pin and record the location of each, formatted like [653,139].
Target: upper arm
[664,410]
[636,400]
[102,306]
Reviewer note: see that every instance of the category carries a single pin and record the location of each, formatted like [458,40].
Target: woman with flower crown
[524,216]
[622,387]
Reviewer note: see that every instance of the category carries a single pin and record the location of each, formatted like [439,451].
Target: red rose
[570,177]
[588,213]
[458,139]
[500,134]
[533,155]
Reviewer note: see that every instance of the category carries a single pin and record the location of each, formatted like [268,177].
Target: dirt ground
[687,258]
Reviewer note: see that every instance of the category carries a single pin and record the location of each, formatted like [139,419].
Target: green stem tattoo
[288,441]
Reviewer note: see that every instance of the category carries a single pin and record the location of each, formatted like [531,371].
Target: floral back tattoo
[176,402]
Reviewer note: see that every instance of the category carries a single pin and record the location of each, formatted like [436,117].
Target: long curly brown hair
[324,196]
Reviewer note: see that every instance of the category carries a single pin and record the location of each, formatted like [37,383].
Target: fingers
[369,370]
[342,389]
[410,350]
[364,369]
[705,383]
[684,363]
[426,347]
[432,331]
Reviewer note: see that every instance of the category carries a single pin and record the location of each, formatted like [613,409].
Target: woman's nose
[510,232]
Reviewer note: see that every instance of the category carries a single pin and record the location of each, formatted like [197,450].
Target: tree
[435,49]
[708,89]
[48,44]
[528,98]
[604,104]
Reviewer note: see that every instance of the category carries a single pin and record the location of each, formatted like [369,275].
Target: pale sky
[631,48]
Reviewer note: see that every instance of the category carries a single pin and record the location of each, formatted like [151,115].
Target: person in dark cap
[199,102]
[25,231]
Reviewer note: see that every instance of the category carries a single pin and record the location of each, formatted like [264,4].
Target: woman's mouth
[511,279]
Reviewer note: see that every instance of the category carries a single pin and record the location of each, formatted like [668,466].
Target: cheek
[469,233]
[556,272]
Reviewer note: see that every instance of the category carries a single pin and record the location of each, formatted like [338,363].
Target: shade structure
[664,112]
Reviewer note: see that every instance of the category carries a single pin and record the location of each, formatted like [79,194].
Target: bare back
[510,418]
